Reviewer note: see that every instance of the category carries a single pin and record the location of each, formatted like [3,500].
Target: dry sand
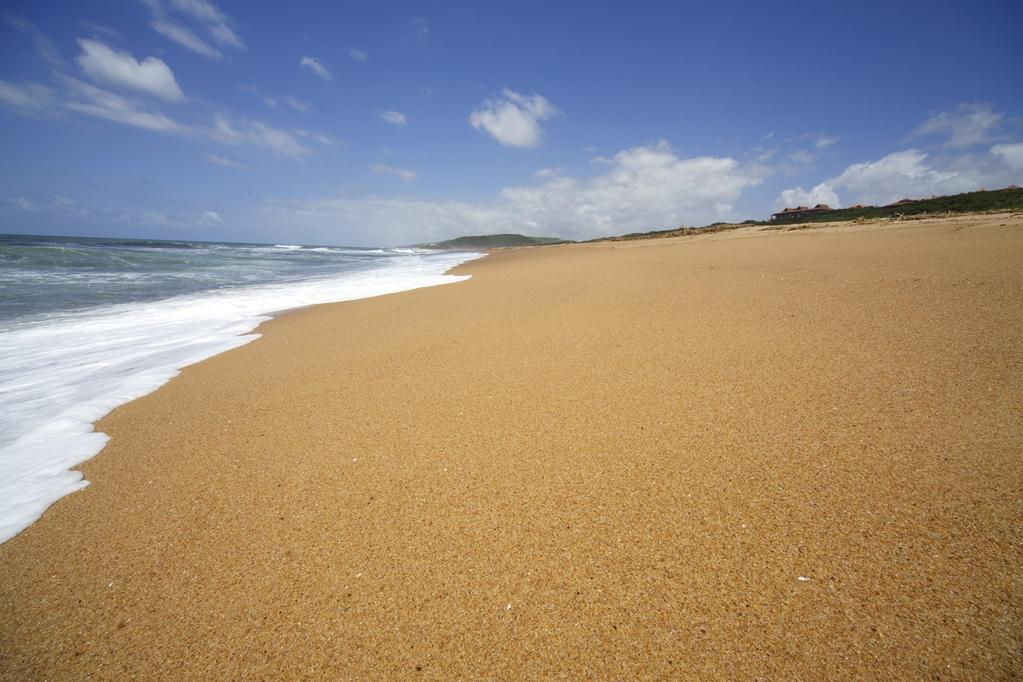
[786,455]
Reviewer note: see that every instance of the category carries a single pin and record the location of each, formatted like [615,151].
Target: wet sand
[775,454]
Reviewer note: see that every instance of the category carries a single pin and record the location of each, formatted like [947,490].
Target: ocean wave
[60,374]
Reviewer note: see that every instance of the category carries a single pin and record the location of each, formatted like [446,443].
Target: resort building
[801,212]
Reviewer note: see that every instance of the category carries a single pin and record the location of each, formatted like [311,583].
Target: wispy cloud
[297,104]
[420,27]
[1010,154]
[76,96]
[114,68]
[65,206]
[274,102]
[184,37]
[358,55]
[258,134]
[27,98]
[403,173]
[212,19]
[822,141]
[268,100]
[314,65]
[118,68]
[210,219]
[395,118]
[320,138]
[45,47]
[968,125]
[19,203]
[801,157]
[223,161]
[167,19]
[514,119]
[99,103]
[99,29]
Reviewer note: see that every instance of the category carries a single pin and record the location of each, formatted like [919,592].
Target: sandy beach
[791,454]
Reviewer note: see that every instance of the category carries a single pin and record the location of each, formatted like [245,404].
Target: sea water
[89,324]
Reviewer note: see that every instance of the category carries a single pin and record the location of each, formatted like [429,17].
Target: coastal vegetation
[981,201]
[493,241]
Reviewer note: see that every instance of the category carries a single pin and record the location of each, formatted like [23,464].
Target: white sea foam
[59,375]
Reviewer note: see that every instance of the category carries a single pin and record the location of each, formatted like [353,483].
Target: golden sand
[776,454]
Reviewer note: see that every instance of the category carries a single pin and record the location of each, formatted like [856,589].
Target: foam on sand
[61,374]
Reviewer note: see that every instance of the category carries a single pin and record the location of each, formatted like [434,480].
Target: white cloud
[548,173]
[26,98]
[1010,154]
[316,67]
[968,125]
[643,188]
[394,118]
[907,174]
[797,196]
[403,173]
[98,103]
[901,175]
[204,15]
[513,119]
[822,141]
[358,55]
[222,161]
[83,98]
[118,68]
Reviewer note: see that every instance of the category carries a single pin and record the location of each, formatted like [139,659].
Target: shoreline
[94,360]
[615,459]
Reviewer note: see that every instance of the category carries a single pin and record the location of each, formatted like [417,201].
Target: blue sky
[390,123]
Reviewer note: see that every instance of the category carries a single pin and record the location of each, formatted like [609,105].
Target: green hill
[492,241]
